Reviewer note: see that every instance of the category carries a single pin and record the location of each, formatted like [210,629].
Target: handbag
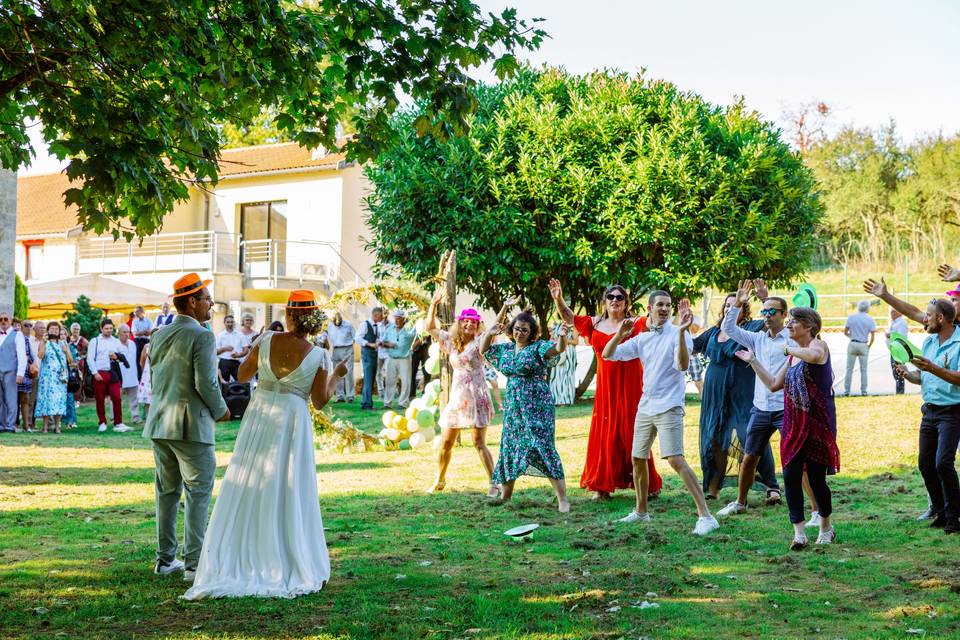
[73,380]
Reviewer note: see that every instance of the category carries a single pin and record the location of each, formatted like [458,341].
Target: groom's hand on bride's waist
[225,417]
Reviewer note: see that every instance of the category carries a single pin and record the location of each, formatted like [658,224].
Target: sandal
[437,487]
[773,497]
[494,491]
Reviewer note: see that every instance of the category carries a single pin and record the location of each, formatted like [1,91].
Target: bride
[265,536]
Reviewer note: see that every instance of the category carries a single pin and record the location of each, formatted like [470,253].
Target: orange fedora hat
[190,283]
[302,299]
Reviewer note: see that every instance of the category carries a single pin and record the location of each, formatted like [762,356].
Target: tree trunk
[8,234]
[446,278]
[587,379]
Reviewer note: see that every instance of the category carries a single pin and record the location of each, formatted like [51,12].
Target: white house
[281,217]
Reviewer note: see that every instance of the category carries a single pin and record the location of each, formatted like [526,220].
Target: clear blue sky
[869,60]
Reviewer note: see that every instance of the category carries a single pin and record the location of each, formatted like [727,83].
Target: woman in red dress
[619,385]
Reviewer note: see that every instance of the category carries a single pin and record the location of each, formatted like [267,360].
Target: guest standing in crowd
[231,349]
[342,336]
[101,356]
[276,326]
[70,417]
[664,349]
[39,334]
[129,385]
[527,442]
[726,400]
[808,442]
[382,354]
[55,363]
[246,330]
[419,354]
[563,377]
[145,386]
[939,377]
[898,324]
[141,328]
[79,345]
[609,465]
[13,369]
[25,417]
[367,338]
[165,317]
[397,339]
[860,328]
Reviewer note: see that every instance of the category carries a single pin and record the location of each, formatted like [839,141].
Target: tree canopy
[134,91]
[87,316]
[597,179]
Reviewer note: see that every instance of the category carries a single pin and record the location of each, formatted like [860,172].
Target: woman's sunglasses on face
[767,313]
[619,297]
[469,321]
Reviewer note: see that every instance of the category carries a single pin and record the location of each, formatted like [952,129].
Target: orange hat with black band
[302,299]
[190,283]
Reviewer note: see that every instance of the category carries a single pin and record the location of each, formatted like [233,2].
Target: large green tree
[134,92]
[594,179]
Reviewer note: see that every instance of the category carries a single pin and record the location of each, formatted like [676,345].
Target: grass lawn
[77,540]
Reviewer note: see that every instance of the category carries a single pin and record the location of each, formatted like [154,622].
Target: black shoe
[953,526]
[939,522]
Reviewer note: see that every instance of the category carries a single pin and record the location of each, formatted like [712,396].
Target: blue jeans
[368,360]
[760,428]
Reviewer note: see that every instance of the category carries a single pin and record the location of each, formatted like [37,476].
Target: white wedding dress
[265,537]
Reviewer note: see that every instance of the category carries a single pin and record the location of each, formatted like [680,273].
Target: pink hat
[469,314]
[955,293]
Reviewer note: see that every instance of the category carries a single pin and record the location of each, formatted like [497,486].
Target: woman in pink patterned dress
[469,406]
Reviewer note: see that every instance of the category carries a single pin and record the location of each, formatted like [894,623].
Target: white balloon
[434,350]
[416,440]
[427,434]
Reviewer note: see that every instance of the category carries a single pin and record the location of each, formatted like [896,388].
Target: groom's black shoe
[166,568]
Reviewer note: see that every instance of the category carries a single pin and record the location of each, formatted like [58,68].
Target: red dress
[609,464]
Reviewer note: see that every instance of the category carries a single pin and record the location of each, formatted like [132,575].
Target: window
[264,226]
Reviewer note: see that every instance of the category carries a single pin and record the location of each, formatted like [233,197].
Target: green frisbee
[806,296]
[901,349]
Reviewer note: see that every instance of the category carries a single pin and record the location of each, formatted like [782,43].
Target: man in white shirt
[101,354]
[128,373]
[165,318]
[13,367]
[341,335]
[860,328]
[898,324]
[232,347]
[766,415]
[664,350]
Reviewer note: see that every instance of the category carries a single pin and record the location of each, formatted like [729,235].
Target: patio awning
[54,298]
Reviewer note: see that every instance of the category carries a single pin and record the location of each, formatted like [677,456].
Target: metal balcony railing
[276,262]
[193,251]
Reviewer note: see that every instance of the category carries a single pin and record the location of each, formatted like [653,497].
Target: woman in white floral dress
[469,406]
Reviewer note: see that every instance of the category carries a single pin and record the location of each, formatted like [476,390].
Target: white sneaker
[189,575]
[102,428]
[732,509]
[121,428]
[814,520]
[633,516]
[164,569]
[826,537]
[705,525]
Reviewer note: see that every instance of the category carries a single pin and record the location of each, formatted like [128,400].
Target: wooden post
[446,278]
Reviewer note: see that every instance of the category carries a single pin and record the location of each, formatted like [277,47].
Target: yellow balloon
[411,413]
[399,423]
[387,419]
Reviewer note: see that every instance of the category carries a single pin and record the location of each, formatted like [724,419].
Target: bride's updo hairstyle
[304,316]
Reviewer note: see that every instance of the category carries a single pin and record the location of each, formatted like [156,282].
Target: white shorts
[668,425]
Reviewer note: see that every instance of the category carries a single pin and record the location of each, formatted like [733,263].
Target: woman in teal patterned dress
[527,442]
[55,361]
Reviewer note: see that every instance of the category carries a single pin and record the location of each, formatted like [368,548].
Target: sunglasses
[766,313]
[521,330]
[616,296]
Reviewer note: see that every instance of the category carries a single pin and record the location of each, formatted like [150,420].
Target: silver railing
[192,251]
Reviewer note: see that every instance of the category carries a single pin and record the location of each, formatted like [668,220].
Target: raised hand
[564,331]
[875,288]
[341,369]
[626,327]
[498,329]
[438,295]
[948,273]
[512,301]
[744,289]
[760,286]
[746,355]
[556,291]
[685,314]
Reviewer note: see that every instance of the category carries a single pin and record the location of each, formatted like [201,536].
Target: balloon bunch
[418,425]
[432,365]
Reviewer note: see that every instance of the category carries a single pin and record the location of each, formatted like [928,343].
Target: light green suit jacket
[186,391]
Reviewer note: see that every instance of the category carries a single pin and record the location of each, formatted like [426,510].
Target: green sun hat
[901,349]
[806,296]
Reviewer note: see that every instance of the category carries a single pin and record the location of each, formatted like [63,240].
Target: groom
[186,405]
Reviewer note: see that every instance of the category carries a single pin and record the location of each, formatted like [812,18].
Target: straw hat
[190,283]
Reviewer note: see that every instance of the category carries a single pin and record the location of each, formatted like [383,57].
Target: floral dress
[470,404]
[145,388]
[52,381]
[526,444]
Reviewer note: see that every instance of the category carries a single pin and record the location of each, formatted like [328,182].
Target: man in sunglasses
[766,415]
